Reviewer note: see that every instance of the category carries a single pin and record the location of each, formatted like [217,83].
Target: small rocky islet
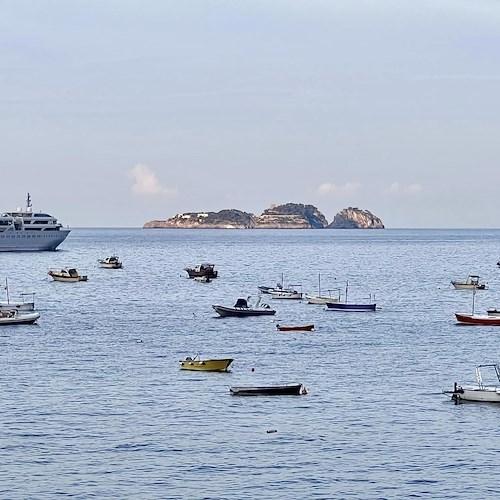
[287,216]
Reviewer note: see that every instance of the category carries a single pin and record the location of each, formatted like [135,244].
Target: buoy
[304,391]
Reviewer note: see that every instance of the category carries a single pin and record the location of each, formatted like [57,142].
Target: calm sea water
[93,403]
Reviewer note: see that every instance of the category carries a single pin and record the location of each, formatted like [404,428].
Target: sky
[117,112]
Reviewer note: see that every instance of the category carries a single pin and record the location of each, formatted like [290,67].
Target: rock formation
[291,216]
[355,218]
[225,219]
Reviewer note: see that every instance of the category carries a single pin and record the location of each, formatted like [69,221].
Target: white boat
[27,231]
[493,311]
[471,283]
[67,274]
[323,299]
[479,392]
[279,292]
[25,303]
[112,262]
[203,279]
[15,317]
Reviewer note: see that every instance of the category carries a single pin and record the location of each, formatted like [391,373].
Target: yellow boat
[205,365]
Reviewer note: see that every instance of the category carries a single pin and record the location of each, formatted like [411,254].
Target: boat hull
[479,394]
[304,328]
[466,286]
[206,365]
[225,311]
[18,319]
[476,319]
[277,390]
[313,299]
[26,240]
[285,295]
[340,306]
[105,265]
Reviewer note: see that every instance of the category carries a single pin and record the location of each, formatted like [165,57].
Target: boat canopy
[241,303]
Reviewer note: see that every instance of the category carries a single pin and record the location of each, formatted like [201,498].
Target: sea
[93,403]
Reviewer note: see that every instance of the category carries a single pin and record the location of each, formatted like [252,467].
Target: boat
[25,303]
[241,309]
[471,283]
[493,311]
[270,390]
[27,231]
[112,262]
[480,392]
[204,269]
[205,365]
[351,307]
[478,319]
[67,274]
[323,299]
[14,317]
[279,292]
[304,328]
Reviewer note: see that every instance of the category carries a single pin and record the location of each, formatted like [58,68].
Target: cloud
[328,188]
[146,183]
[396,187]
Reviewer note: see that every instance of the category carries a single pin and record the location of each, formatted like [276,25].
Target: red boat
[304,328]
[478,319]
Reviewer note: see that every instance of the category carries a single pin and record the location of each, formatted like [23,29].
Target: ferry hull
[32,241]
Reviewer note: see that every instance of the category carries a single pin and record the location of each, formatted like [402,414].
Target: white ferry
[25,231]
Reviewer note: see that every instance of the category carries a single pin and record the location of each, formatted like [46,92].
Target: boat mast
[473,297]
[346,287]
[319,284]
[7,290]
[28,203]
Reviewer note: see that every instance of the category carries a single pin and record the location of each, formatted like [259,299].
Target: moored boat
[270,390]
[112,262]
[478,319]
[480,392]
[472,282]
[205,365]
[67,274]
[323,299]
[204,269]
[242,309]
[350,306]
[304,328]
[15,317]
[26,302]
[27,231]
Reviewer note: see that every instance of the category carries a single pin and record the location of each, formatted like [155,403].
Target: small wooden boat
[204,269]
[323,299]
[15,317]
[279,292]
[241,309]
[270,390]
[304,328]
[481,392]
[26,302]
[112,262]
[351,307]
[471,283]
[478,319]
[67,274]
[205,365]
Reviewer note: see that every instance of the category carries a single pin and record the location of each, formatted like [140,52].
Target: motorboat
[303,328]
[205,365]
[270,390]
[493,311]
[203,269]
[14,317]
[480,392]
[28,231]
[478,319]
[112,262]
[472,282]
[323,299]
[25,303]
[241,309]
[67,274]
[280,292]
[350,306]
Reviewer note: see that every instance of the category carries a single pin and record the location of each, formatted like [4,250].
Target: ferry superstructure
[27,231]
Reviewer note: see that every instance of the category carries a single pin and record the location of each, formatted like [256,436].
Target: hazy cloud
[328,188]
[396,187]
[146,183]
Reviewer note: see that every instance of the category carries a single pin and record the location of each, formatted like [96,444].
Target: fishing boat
[67,274]
[205,365]
[280,292]
[478,319]
[242,309]
[204,269]
[323,299]
[304,328]
[493,311]
[480,392]
[270,390]
[112,262]
[472,282]
[28,231]
[351,307]
[15,317]
[25,303]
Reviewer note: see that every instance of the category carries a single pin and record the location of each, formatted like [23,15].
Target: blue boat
[348,307]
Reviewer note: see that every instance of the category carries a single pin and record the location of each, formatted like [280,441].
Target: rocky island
[287,216]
